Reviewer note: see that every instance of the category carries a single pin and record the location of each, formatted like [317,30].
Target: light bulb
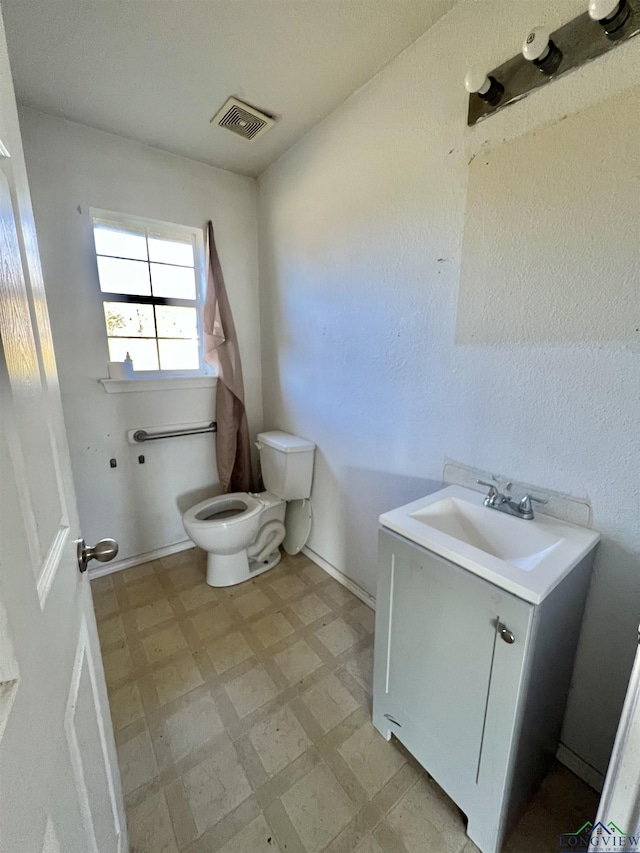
[612,15]
[601,9]
[476,80]
[536,44]
[539,48]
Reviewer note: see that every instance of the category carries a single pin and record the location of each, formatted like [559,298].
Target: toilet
[242,532]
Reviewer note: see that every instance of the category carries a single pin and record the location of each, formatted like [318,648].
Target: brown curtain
[233,450]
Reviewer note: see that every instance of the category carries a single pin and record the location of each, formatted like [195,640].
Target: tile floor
[243,723]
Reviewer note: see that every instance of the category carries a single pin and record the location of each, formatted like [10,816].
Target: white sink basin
[527,558]
[497,534]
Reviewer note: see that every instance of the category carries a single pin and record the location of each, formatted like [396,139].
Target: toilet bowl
[227,527]
[242,532]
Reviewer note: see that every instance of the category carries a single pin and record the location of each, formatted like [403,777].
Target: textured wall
[72,168]
[571,183]
[361,234]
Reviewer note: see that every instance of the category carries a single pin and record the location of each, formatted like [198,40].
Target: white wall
[72,168]
[361,235]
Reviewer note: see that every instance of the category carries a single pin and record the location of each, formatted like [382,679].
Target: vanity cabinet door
[437,632]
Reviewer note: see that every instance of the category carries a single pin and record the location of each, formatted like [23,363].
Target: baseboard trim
[583,770]
[336,574]
[117,566]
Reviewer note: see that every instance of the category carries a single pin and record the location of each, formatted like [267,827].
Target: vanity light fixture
[612,15]
[546,56]
[489,89]
[540,49]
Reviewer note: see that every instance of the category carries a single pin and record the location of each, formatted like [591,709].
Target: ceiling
[158,70]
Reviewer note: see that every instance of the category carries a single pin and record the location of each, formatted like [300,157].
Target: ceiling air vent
[242,119]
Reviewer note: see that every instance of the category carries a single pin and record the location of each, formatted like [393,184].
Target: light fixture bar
[579,41]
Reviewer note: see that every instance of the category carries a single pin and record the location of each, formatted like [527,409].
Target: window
[151,278]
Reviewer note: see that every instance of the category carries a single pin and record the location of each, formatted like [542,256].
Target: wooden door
[59,783]
[619,809]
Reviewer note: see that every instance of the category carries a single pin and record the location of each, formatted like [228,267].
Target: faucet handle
[534,498]
[490,499]
[525,504]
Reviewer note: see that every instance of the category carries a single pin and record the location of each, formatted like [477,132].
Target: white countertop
[525,557]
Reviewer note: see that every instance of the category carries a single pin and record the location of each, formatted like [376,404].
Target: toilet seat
[219,511]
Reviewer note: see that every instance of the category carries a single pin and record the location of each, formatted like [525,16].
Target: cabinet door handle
[507,635]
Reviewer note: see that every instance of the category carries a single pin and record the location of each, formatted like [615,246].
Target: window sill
[164,383]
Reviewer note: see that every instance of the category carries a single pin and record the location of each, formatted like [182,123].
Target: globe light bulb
[536,44]
[599,10]
[476,80]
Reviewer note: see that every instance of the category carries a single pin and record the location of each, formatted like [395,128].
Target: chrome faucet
[503,503]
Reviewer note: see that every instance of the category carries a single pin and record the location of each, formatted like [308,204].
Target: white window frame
[201,284]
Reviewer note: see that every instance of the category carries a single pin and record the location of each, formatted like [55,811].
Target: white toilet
[242,532]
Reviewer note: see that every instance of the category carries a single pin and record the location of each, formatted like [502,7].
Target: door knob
[507,635]
[102,551]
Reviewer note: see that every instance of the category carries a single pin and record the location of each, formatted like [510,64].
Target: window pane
[123,241]
[173,282]
[128,320]
[117,276]
[171,248]
[178,355]
[143,352]
[174,322]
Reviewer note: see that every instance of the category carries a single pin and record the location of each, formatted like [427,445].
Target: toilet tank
[287,464]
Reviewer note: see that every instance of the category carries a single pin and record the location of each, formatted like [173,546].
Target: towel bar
[141,435]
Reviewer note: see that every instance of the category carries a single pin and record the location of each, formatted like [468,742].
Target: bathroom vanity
[477,622]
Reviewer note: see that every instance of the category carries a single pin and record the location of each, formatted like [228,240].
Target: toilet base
[272,560]
[232,569]
[227,569]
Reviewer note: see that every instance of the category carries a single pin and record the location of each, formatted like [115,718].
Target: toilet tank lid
[285,441]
